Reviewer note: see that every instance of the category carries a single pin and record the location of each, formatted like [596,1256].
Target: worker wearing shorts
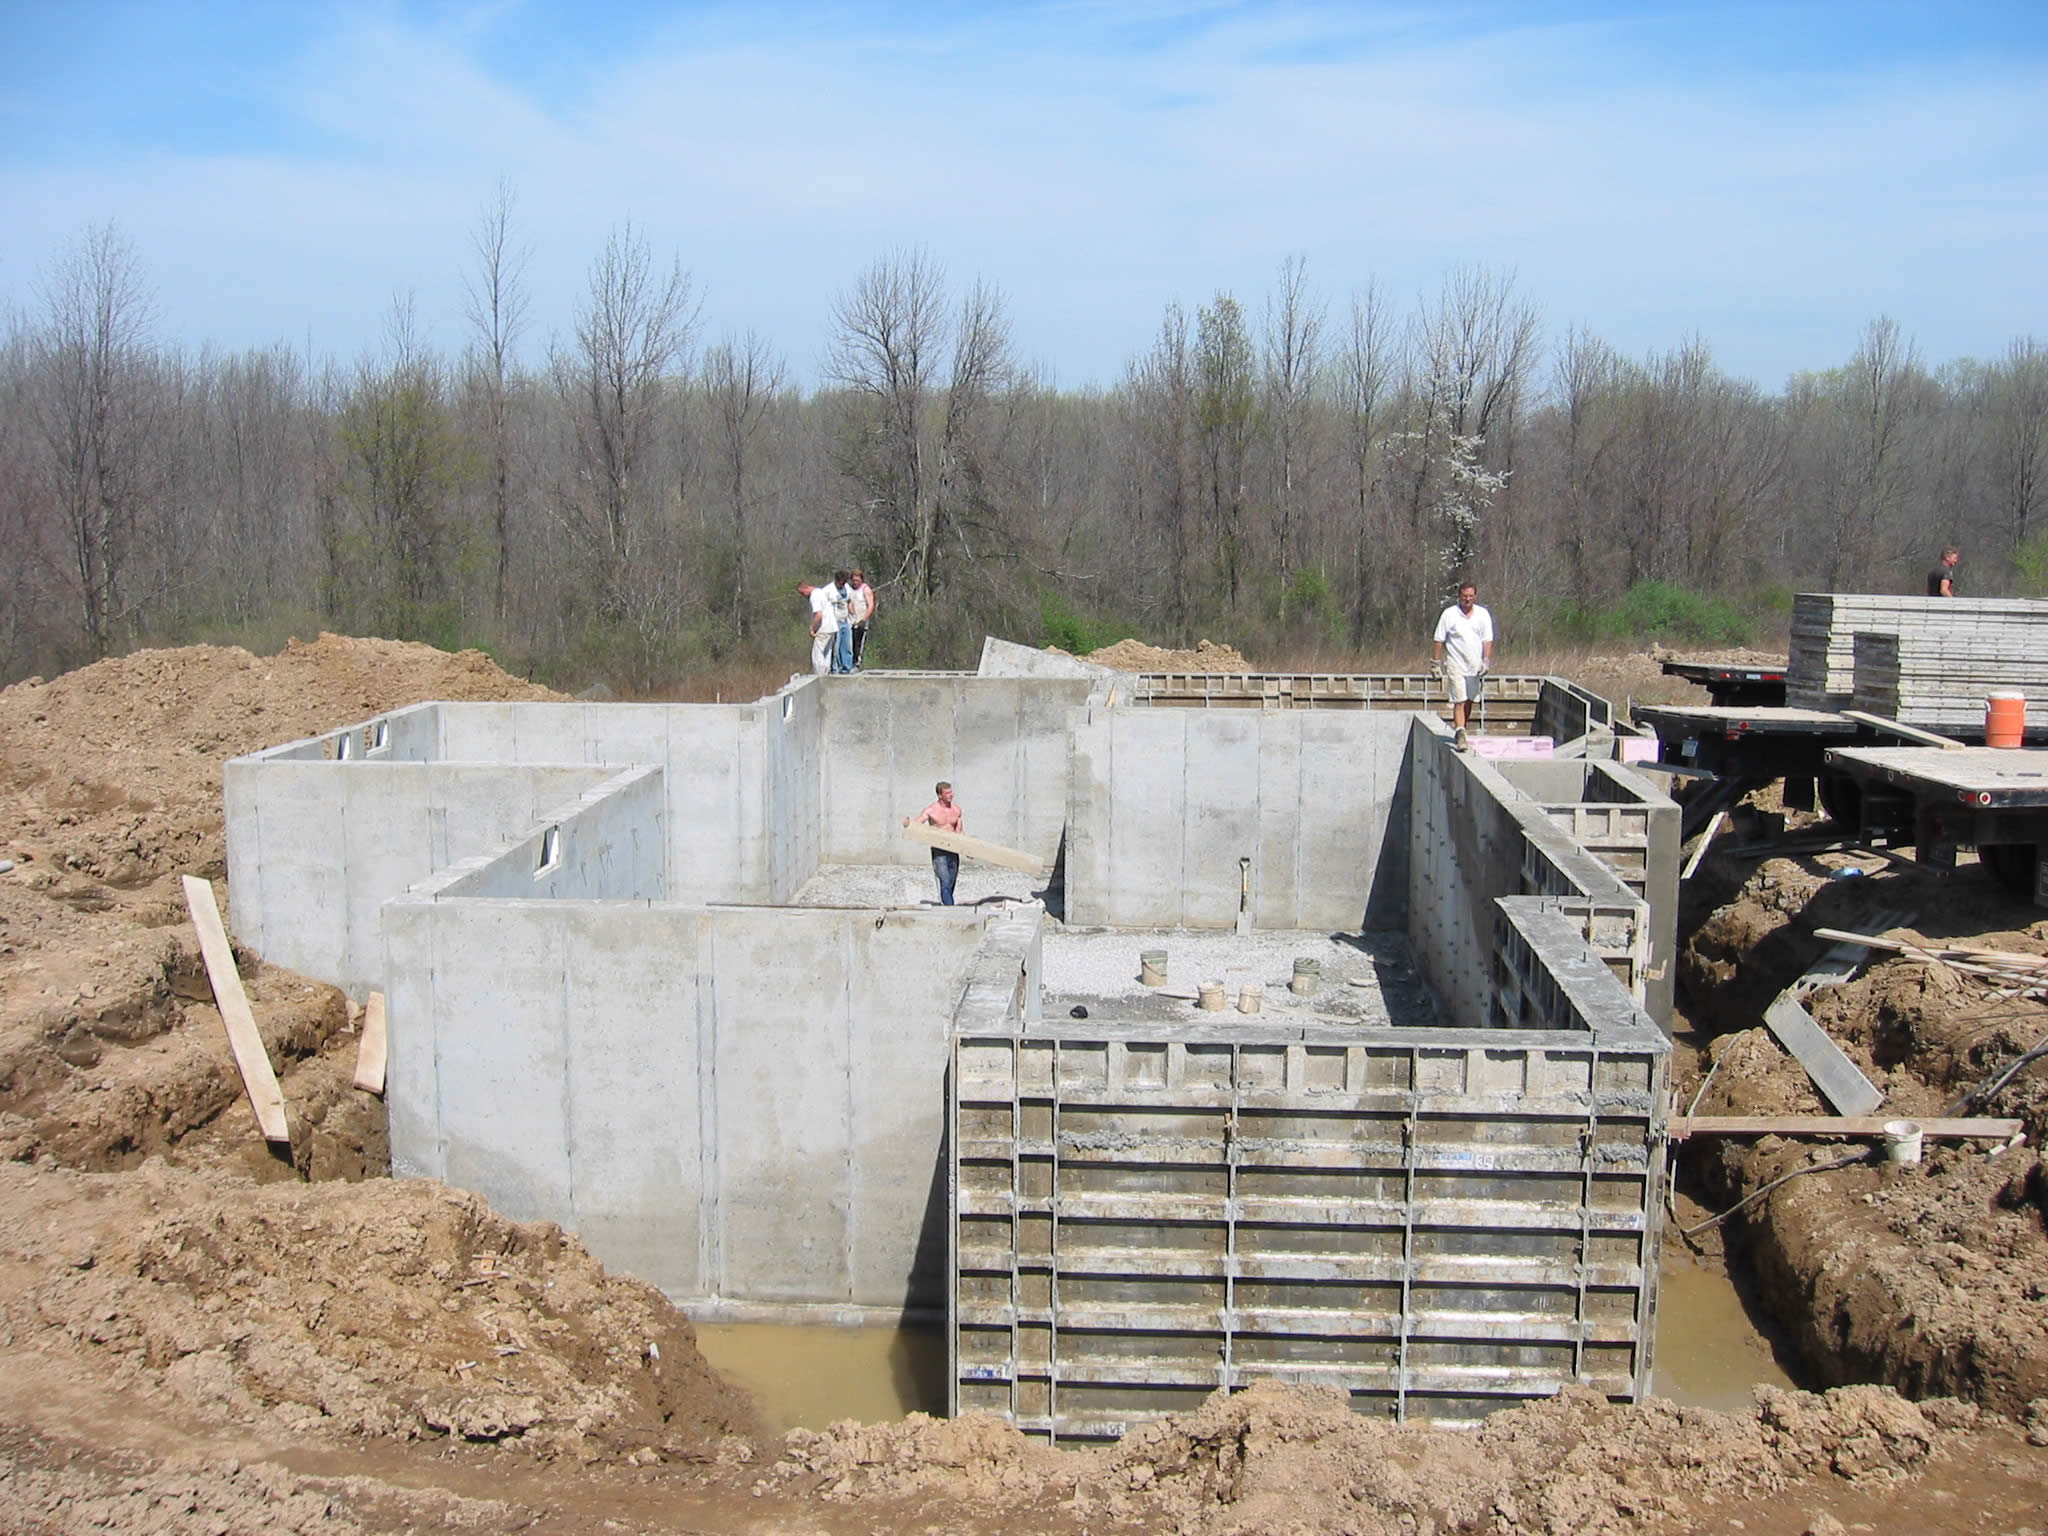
[1463,650]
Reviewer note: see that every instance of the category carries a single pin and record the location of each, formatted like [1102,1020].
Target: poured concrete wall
[728,1102]
[606,845]
[1165,802]
[1002,742]
[314,847]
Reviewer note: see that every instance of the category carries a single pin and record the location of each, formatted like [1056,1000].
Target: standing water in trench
[1709,1355]
[806,1376]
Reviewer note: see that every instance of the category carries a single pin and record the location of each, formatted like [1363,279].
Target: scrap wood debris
[2021,974]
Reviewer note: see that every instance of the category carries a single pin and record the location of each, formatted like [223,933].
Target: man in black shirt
[1941,581]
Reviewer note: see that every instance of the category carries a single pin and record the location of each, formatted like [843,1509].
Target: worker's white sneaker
[1458,739]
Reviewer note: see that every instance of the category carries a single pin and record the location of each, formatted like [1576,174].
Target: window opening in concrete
[380,736]
[550,850]
[788,706]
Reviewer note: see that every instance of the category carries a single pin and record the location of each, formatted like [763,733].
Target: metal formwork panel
[1439,1224]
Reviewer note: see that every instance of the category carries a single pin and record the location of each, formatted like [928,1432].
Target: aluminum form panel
[1439,1225]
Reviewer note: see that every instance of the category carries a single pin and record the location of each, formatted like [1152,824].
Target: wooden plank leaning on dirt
[1683,1126]
[975,848]
[1947,954]
[370,1054]
[259,1081]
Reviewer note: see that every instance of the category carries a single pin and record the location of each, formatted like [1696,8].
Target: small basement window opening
[344,746]
[788,706]
[380,736]
[550,850]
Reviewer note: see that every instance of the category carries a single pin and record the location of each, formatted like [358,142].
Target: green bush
[1074,633]
[1656,610]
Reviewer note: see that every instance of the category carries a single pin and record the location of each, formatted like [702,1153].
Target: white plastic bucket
[1902,1141]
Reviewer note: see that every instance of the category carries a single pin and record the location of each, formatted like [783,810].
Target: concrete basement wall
[1166,801]
[1474,837]
[744,1106]
[606,845]
[315,847]
[1001,741]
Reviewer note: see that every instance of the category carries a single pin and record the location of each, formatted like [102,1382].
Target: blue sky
[1768,177]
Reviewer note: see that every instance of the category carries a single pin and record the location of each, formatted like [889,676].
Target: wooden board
[1845,956]
[259,1081]
[371,1052]
[974,848]
[1839,1080]
[1910,732]
[1683,1126]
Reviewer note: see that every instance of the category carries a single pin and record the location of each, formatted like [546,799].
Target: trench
[1710,1354]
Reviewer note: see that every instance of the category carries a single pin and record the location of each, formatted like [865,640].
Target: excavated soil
[197,1335]
[1136,656]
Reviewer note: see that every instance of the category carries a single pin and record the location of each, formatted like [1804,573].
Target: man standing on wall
[842,610]
[863,610]
[945,815]
[824,628]
[1941,581]
[1463,650]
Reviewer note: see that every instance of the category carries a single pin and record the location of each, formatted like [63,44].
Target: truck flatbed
[1993,799]
[1733,683]
[2000,777]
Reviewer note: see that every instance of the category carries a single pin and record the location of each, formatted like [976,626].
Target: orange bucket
[2005,719]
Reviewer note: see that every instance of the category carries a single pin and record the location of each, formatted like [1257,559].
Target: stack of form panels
[1942,683]
[1822,674]
[1438,1222]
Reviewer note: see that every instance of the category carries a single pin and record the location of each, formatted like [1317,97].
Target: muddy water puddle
[807,1376]
[1709,1355]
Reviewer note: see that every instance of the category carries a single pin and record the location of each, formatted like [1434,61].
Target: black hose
[1864,1156]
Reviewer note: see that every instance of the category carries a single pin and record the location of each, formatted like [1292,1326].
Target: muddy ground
[199,1336]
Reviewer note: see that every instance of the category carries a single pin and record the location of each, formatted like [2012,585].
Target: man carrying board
[945,815]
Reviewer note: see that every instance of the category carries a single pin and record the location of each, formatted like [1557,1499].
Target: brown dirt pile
[1136,656]
[1929,1277]
[384,1309]
[1287,1459]
[113,771]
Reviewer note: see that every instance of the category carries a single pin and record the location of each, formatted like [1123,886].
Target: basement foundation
[668,975]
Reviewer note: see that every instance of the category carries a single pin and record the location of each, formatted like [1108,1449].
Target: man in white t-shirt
[824,627]
[1464,654]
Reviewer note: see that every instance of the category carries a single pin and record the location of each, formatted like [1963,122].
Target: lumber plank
[1699,854]
[1842,959]
[974,848]
[1900,728]
[371,1053]
[1947,1129]
[259,1080]
[2017,959]
[1839,1080]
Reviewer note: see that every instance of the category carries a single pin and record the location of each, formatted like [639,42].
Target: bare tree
[91,353]
[632,331]
[2019,438]
[1161,396]
[1366,382]
[495,303]
[743,379]
[893,333]
[1226,415]
[1292,363]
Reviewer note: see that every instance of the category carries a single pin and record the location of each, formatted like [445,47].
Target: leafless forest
[1299,472]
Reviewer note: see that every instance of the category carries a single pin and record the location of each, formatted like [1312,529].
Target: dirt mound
[1291,1459]
[1927,1277]
[1136,656]
[389,1309]
[113,771]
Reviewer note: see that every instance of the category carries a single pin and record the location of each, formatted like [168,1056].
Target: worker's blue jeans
[946,869]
